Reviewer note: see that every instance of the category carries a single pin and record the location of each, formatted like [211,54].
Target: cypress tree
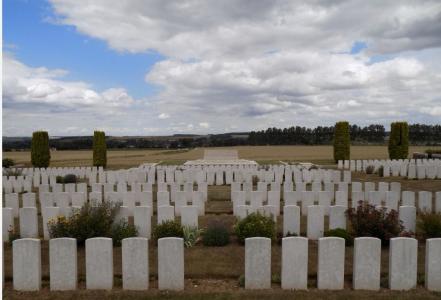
[99,149]
[399,140]
[341,141]
[40,152]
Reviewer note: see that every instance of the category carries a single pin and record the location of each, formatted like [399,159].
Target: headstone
[316,222]
[26,264]
[11,200]
[291,220]
[438,202]
[403,263]
[189,216]
[99,264]
[337,217]
[29,200]
[425,201]
[331,263]
[408,198]
[142,220]
[367,263]
[166,213]
[8,222]
[433,264]
[294,263]
[28,222]
[171,264]
[48,214]
[63,264]
[407,215]
[257,263]
[135,263]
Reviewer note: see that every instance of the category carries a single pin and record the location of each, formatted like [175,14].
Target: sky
[153,67]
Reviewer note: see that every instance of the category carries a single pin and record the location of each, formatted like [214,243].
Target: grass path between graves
[264,154]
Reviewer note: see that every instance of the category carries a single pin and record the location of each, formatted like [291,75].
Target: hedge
[99,149]
[399,140]
[40,152]
[342,142]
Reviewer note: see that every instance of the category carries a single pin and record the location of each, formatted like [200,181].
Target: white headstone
[295,263]
[291,220]
[407,215]
[63,264]
[142,220]
[433,264]
[331,263]
[28,222]
[135,263]
[257,263]
[337,217]
[403,263]
[26,264]
[367,263]
[99,264]
[171,264]
[315,222]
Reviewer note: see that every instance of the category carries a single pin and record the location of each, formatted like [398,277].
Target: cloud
[24,84]
[199,29]
[163,116]
[245,65]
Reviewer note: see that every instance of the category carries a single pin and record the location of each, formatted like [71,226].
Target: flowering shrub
[367,220]
[92,221]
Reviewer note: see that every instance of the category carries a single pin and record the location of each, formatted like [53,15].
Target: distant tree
[399,140]
[341,141]
[99,149]
[40,152]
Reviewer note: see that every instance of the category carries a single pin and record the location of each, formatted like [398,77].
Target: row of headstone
[294,274]
[412,169]
[63,263]
[331,262]
[28,218]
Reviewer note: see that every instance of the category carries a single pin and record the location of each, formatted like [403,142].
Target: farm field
[262,154]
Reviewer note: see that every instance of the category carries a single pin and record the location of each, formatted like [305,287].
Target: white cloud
[24,84]
[163,116]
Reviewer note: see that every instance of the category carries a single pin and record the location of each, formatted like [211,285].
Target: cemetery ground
[117,159]
[213,272]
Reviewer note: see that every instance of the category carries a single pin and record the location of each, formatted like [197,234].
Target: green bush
[341,141]
[7,162]
[399,140]
[216,235]
[121,231]
[168,229]
[367,220]
[69,178]
[92,221]
[429,225]
[342,233]
[40,153]
[255,225]
[370,169]
[99,149]
[192,235]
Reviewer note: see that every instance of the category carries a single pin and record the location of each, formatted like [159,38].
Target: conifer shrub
[99,149]
[40,152]
[399,140]
[341,141]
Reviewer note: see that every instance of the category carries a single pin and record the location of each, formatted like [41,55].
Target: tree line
[375,134]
